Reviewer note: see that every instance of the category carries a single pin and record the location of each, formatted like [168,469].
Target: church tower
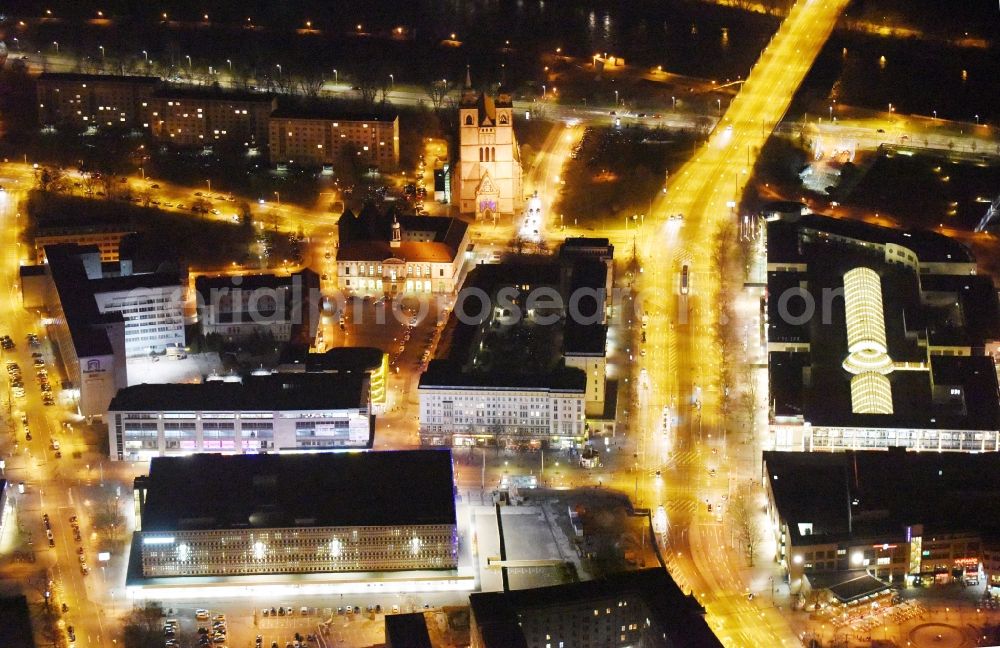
[489,173]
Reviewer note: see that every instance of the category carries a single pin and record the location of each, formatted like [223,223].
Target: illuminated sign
[158,540]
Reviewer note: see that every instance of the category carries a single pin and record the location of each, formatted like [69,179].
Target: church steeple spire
[468,77]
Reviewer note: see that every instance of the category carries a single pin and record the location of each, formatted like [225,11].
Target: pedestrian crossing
[681,505]
[682,458]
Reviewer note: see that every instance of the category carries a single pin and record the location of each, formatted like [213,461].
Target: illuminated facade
[895,515]
[315,138]
[489,168]
[273,413]
[190,116]
[219,516]
[878,338]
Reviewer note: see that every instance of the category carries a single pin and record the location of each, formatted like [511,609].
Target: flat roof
[878,493]
[82,316]
[95,78]
[212,93]
[328,113]
[673,613]
[848,586]
[444,374]
[275,392]
[407,631]
[15,623]
[213,491]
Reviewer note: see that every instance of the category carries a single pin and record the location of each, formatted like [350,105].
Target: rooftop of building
[785,234]
[445,374]
[247,282]
[866,494]
[212,93]
[407,631]
[328,112]
[367,235]
[676,615]
[97,78]
[212,491]
[84,320]
[143,281]
[15,623]
[917,311]
[274,392]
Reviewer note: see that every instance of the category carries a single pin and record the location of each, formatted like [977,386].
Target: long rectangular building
[233,516]
[189,116]
[273,413]
[314,137]
[99,100]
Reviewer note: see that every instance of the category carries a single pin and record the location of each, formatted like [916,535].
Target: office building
[407,631]
[633,608]
[893,515]
[489,169]
[98,100]
[317,136]
[878,337]
[269,413]
[192,116]
[222,517]
[485,388]
[384,254]
[241,307]
[499,408]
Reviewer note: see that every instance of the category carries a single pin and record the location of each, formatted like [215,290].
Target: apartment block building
[191,116]
[315,137]
[98,100]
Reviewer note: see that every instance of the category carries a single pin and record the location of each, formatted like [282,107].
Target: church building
[489,173]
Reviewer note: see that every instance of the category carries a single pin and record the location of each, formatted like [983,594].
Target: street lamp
[101,47]
[392,81]
[616,98]
[336,76]
[278,65]
[543,91]
[277,195]
[145,55]
[56,43]
[188,57]
[977,120]
[719,102]
[209,181]
[673,100]
[230,62]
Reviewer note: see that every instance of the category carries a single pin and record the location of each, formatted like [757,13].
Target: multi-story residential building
[878,337]
[215,518]
[15,622]
[239,307]
[407,255]
[314,137]
[893,515]
[99,100]
[633,608]
[470,408]
[189,116]
[489,169]
[97,316]
[269,413]
[107,238]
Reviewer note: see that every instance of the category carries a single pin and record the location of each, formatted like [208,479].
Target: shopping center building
[901,516]
[275,519]
[878,338]
[302,412]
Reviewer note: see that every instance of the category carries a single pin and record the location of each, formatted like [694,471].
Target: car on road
[84,569]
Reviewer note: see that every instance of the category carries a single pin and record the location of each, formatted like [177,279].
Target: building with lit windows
[265,413]
[99,100]
[383,254]
[893,515]
[193,116]
[98,314]
[632,608]
[878,337]
[488,180]
[107,238]
[478,390]
[317,136]
[289,517]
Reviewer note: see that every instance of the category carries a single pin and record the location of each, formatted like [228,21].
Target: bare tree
[437,90]
[311,83]
[746,521]
[109,518]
